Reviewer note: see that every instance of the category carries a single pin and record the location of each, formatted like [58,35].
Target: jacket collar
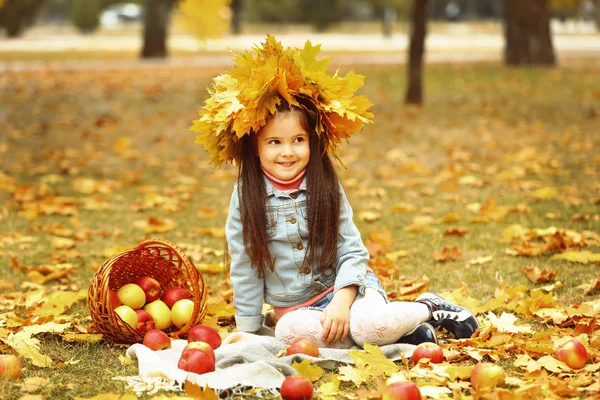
[273,191]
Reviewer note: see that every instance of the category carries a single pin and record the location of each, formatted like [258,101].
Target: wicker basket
[162,261]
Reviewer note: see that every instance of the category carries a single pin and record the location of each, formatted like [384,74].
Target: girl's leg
[375,321]
[306,323]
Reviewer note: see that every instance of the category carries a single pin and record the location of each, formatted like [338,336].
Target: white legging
[373,320]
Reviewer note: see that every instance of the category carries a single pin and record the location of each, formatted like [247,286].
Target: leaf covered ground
[488,195]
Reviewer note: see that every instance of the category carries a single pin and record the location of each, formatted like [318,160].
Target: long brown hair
[323,199]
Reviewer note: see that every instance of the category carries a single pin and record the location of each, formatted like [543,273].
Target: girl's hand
[336,316]
[336,322]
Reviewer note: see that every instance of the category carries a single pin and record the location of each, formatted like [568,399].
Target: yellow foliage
[308,370]
[241,101]
[204,19]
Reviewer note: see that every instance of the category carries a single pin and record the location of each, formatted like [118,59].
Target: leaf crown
[242,100]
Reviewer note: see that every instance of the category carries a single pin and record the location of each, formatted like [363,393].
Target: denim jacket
[293,280]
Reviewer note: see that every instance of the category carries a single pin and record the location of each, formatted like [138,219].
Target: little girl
[291,237]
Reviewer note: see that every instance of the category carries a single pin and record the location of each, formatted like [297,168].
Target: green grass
[478,120]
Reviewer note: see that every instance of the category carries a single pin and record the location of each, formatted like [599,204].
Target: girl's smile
[283,146]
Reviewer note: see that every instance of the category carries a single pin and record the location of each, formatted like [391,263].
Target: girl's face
[283,147]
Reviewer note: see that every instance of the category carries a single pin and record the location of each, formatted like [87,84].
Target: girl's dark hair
[323,193]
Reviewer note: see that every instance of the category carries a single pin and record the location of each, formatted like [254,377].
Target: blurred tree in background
[528,40]
[17,15]
[418,31]
[321,14]
[156,21]
[85,14]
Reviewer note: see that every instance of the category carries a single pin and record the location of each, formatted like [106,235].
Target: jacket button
[299,246]
[307,270]
[292,220]
[294,195]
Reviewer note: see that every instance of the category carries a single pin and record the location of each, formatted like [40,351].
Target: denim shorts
[371,282]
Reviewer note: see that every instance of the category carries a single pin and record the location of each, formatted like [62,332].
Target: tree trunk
[156,23]
[528,40]
[597,4]
[414,92]
[236,11]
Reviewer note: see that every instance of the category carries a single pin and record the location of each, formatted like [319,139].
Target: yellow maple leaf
[329,389]
[372,357]
[29,347]
[197,392]
[356,375]
[308,370]
[583,257]
[553,365]
[507,323]
[58,302]
[457,372]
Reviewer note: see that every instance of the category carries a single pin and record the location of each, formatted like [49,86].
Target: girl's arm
[352,255]
[248,286]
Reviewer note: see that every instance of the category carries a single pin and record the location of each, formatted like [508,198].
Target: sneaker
[423,332]
[455,319]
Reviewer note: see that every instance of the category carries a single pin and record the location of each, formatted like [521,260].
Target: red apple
[196,361]
[428,350]
[401,391]
[150,286]
[113,297]
[201,346]
[296,387]
[155,339]
[572,353]
[204,333]
[303,346]
[10,366]
[487,375]
[173,294]
[145,321]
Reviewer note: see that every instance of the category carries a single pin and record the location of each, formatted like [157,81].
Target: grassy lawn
[90,156]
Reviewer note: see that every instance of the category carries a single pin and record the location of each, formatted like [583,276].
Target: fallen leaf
[583,257]
[507,323]
[61,243]
[33,384]
[481,260]
[536,275]
[368,216]
[198,392]
[308,370]
[395,255]
[447,253]
[456,231]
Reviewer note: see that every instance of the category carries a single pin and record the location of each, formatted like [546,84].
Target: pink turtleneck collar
[286,186]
